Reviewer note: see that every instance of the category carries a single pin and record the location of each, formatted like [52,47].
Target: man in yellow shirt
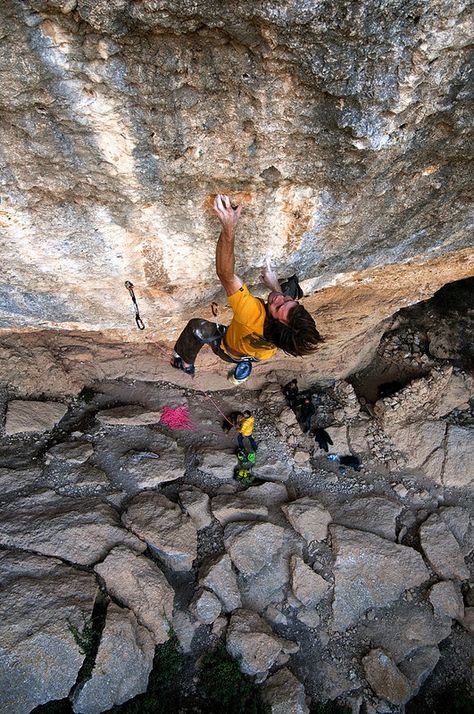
[245,431]
[257,328]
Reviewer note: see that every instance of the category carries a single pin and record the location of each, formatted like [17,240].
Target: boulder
[309,617]
[459,462]
[385,678]
[284,693]
[237,508]
[374,514]
[129,415]
[219,577]
[418,666]
[122,666]
[456,394]
[468,620]
[163,525]
[252,547]
[442,549]
[72,452]
[13,480]
[309,518]
[417,442]
[196,504]
[269,493]
[137,583]
[459,523]
[80,530]
[447,600]
[369,572]
[32,416]
[43,602]
[217,464]
[206,607]
[253,642]
[308,587]
[338,435]
[185,628]
[270,467]
[146,472]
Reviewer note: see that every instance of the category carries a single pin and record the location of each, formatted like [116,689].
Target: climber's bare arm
[225,261]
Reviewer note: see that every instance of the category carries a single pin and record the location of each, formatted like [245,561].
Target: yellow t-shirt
[246,427]
[245,333]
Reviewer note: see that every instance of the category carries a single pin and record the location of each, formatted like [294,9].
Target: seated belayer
[257,328]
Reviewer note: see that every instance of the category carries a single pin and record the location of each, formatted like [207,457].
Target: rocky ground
[326,583]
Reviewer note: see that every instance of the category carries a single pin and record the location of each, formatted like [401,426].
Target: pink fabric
[176,418]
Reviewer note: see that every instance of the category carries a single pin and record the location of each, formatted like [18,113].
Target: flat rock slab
[79,530]
[284,693]
[163,525]
[42,600]
[340,444]
[459,463]
[129,415]
[138,584]
[253,547]
[442,549]
[309,518]
[122,666]
[417,441]
[149,472]
[196,504]
[206,607]
[13,480]
[254,643]
[447,600]
[72,452]
[219,465]
[219,576]
[237,508]
[373,514]
[308,587]
[32,416]
[370,572]
[385,678]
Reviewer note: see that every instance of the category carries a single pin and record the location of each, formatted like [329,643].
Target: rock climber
[307,411]
[257,328]
[290,392]
[245,431]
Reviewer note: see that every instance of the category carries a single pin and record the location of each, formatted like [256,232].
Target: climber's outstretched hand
[227,215]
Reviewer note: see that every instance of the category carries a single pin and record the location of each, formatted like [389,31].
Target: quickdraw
[138,319]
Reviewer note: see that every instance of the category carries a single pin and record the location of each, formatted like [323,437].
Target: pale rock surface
[385,678]
[150,472]
[196,504]
[357,437]
[219,577]
[468,620]
[163,525]
[301,458]
[270,467]
[129,415]
[218,464]
[219,627]
[41,600]
[374,514]
[447,600]
[80,530]
[32,416]
[206,607]
[456,395]
[309,518]
[417,442]
[405,628]
[442,549]
[460,524]
[269,493]
[185,627]
[419,665]
[338,435]
[253,642]
[73,452]
[237,508]
[253,547]
[285,693]
[459,464]
[13,480]
[309,617]
[122,666]
[308,587]
[138,584]
[370,571]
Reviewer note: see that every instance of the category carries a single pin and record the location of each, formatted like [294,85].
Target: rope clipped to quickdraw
[138,319]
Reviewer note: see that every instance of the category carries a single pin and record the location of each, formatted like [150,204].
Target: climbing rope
[138,319]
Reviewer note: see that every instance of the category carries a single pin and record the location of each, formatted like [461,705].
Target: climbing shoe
[178,363]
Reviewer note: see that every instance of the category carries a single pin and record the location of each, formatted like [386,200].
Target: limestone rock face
[373,514]
[31,416]
[162,524]
[459,465]
[285,693]
[442,549]
[220,578]
[447,600]
[385,678]
[123,663]
[308,517]
[307,586]
[138,584]
[42,600]
[341,165]
[129,415]
[80,530]
[370,572]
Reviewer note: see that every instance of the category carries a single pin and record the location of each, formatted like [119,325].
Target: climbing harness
[138,319]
